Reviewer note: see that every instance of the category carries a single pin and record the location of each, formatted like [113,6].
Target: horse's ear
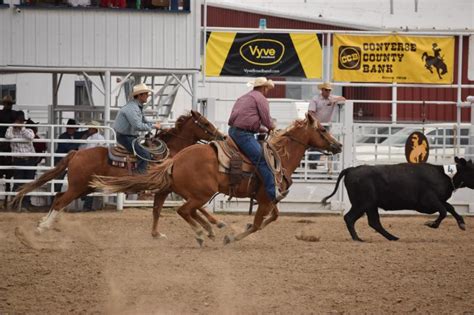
[310,117]
[195,113]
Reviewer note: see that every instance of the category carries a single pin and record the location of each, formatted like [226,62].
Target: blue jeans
[126,141]
[253,150]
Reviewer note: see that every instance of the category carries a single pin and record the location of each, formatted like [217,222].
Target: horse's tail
[157,179]
[424,56]
[43,179]
[341,175]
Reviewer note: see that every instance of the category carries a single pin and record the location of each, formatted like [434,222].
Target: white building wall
[100,38]
[5,28]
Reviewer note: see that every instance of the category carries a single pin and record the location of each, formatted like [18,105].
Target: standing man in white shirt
[322,107]
[25,146]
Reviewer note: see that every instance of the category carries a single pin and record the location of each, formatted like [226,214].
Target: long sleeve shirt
[130,119]
[95,136]
[66,147]
[250,111]
[22,133]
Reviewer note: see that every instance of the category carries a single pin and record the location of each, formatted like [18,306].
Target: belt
[245,130]
[121,134]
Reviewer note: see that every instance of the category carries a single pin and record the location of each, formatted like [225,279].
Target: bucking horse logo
[417,148]
[435,61]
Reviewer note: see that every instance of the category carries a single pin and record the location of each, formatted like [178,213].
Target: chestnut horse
[82,165]
[194,174]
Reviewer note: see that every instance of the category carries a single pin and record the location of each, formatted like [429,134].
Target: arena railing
[47,132]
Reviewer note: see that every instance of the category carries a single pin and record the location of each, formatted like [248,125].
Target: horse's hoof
[200,241]
[40,229]
[221,224]
[393,238]
[462,226]
[158,235]
[212,236]
[228,239]
[432,224]
[248,226]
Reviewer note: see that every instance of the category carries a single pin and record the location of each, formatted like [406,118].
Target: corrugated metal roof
[239,16]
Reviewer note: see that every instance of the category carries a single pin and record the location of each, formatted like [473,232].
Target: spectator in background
[322,107]
[26,146]
[113,4]
[70,134]
[7,116]
[81,3]
[40,147]
[93,134]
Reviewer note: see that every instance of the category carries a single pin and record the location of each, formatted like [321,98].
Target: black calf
[421,187]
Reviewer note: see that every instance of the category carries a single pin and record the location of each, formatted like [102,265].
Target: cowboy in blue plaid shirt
[130,121]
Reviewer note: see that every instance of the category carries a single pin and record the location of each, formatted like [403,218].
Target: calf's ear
[461,161]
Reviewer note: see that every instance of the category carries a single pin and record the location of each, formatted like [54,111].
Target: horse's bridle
[323,133]
[215,134]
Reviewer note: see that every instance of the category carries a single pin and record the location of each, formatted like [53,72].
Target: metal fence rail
[47,131]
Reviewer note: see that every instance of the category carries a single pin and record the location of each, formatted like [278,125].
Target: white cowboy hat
[140,88]
[325,85]
[94,123]
[261,81]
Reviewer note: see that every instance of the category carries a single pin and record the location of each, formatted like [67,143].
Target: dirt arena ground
[107,262]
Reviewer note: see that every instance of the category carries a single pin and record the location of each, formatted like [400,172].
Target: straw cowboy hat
[325,85]
[8,100]
[94,123]
[139,89]
[261,81]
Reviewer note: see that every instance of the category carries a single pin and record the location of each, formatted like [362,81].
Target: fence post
[347,151]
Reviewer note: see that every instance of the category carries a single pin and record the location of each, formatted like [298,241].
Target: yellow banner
[393,58]
[264,54]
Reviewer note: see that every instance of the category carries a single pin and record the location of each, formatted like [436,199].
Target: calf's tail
[341,175]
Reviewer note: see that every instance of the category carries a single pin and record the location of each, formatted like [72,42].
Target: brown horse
[82,165]
[194,174]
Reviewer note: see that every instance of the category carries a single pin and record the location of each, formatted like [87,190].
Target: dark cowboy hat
[20,115]
[7,99]
[71,121]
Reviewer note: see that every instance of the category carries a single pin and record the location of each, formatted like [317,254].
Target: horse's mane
[167,134]
[279,140]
